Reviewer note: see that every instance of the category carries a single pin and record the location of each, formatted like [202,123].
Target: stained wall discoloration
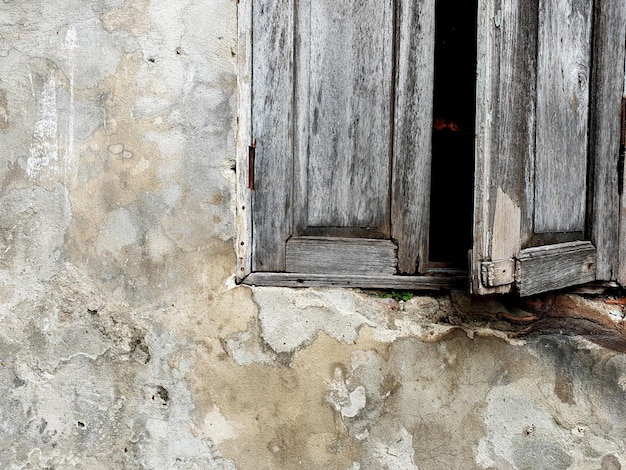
[126,344]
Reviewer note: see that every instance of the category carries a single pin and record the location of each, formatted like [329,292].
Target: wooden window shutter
[340,131]
[549,86]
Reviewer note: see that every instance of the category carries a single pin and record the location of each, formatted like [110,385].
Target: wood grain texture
[506,228]
[553,267]
[505,121]
[621,276]
[413,134]
[606,93]
[272,127]
[532,144]
[243,239]
[498,273]
[318,255]
[368,282]
[349,63]
[564,65]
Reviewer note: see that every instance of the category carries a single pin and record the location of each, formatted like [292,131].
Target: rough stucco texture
[124,341]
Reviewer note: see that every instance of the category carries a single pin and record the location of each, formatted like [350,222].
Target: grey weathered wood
[301,117]
[364,81]
[547,43]
[350,58]
[452,281]
[506,229]
[621,276]
[272,128]
[606,93]
[552,267]
[319,255]
[413,134]
[505,124]
[498,273]
[243,239]
[564,66]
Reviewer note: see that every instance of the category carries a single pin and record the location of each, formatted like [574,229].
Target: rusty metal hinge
[251,155]
[497,273]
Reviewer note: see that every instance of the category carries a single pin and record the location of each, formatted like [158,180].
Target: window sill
[435,280]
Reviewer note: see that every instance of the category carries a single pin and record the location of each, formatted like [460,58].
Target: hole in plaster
[163,394]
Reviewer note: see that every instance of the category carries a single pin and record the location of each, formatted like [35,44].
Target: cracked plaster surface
[124,342]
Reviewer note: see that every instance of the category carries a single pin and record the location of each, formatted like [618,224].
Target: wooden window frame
[605,205]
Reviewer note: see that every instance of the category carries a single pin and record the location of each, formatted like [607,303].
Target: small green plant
[398,296]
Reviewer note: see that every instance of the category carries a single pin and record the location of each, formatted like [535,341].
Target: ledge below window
[435,281]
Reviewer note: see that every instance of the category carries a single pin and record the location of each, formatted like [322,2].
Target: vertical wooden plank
[622,214]
[272,128]
[350,75]
[301,116]
[604,136]
[243,239]
[412,133]
[564,66]
[505,122]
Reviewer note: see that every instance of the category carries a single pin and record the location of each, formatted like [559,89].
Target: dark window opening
[452,180]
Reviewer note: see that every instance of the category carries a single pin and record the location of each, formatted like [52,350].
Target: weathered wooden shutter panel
[562,120]
[541,80]
[410,186]
[341,115]
[272,129]
[345,64]
[606,95]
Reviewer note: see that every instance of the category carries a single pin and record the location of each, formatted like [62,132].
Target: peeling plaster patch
[118,230]
[292,318]
[44,149]
[411,327]
[481,454]
[344,401]
[397,453]
[246,349]
[217,428]
[521,434]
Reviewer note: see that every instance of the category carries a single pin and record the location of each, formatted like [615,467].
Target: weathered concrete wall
[124,342]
